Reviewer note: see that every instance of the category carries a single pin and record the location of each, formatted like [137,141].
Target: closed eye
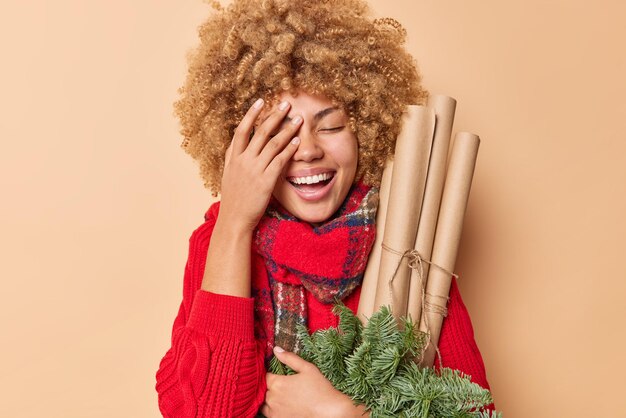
[335,129]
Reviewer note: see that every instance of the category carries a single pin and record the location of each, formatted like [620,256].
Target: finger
[243,130]
[279,162]
[264,131]
[270,379]
[278,143]
[297,363]
[274,392]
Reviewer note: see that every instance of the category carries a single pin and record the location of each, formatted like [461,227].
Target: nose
[309,148]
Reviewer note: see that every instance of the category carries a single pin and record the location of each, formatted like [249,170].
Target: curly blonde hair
[262,48]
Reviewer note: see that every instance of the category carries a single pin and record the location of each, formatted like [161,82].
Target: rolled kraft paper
[405,201]
[444,107]
[370,278]
[448,235]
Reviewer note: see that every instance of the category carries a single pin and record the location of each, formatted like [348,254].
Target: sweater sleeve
[214,367]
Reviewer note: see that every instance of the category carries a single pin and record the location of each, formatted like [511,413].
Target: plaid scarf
[328,261]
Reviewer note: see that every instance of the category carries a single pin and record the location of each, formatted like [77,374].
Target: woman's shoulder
[202,233]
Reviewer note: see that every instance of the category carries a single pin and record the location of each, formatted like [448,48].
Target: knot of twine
[415,261]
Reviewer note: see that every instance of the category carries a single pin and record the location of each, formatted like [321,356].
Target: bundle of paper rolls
[423,196]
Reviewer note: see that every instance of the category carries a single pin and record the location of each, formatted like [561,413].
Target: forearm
[227,269]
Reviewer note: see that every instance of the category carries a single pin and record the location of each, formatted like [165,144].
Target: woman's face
[318,177]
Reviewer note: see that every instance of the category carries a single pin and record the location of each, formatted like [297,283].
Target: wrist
[233,227]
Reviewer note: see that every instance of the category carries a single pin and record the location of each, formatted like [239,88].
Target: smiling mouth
[311,183]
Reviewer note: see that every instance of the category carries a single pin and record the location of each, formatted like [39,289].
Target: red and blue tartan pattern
[327,260]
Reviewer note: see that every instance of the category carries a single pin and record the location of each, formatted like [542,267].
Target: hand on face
[253,165]
[322,170]
[305,394]
[309,176]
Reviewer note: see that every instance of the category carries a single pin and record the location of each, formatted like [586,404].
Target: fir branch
[376,365]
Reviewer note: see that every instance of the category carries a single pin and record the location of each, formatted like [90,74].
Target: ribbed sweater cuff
[222,315]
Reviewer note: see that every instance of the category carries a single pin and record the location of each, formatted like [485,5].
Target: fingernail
[296,120]
[295,141]
[283,105]
[258,103]
[279,349]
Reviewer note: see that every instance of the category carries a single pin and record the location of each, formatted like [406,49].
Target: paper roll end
[441,101]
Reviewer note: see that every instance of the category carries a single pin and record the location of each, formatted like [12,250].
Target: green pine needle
[375,365]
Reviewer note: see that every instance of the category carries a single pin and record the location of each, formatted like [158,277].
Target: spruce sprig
[376,365]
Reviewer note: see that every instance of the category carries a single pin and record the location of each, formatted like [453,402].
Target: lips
[303,172]
[314,187]
[314,179]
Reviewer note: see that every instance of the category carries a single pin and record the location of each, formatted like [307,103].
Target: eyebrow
[319,115]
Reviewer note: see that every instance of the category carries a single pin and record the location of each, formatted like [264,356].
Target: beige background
[98,201]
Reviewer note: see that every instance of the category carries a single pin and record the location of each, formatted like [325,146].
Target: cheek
[348,155]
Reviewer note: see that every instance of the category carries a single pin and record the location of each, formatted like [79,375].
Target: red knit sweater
[215,367]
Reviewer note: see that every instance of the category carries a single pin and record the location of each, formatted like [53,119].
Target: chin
[315,217]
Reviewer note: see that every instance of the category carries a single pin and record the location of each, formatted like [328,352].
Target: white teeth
[311,179]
